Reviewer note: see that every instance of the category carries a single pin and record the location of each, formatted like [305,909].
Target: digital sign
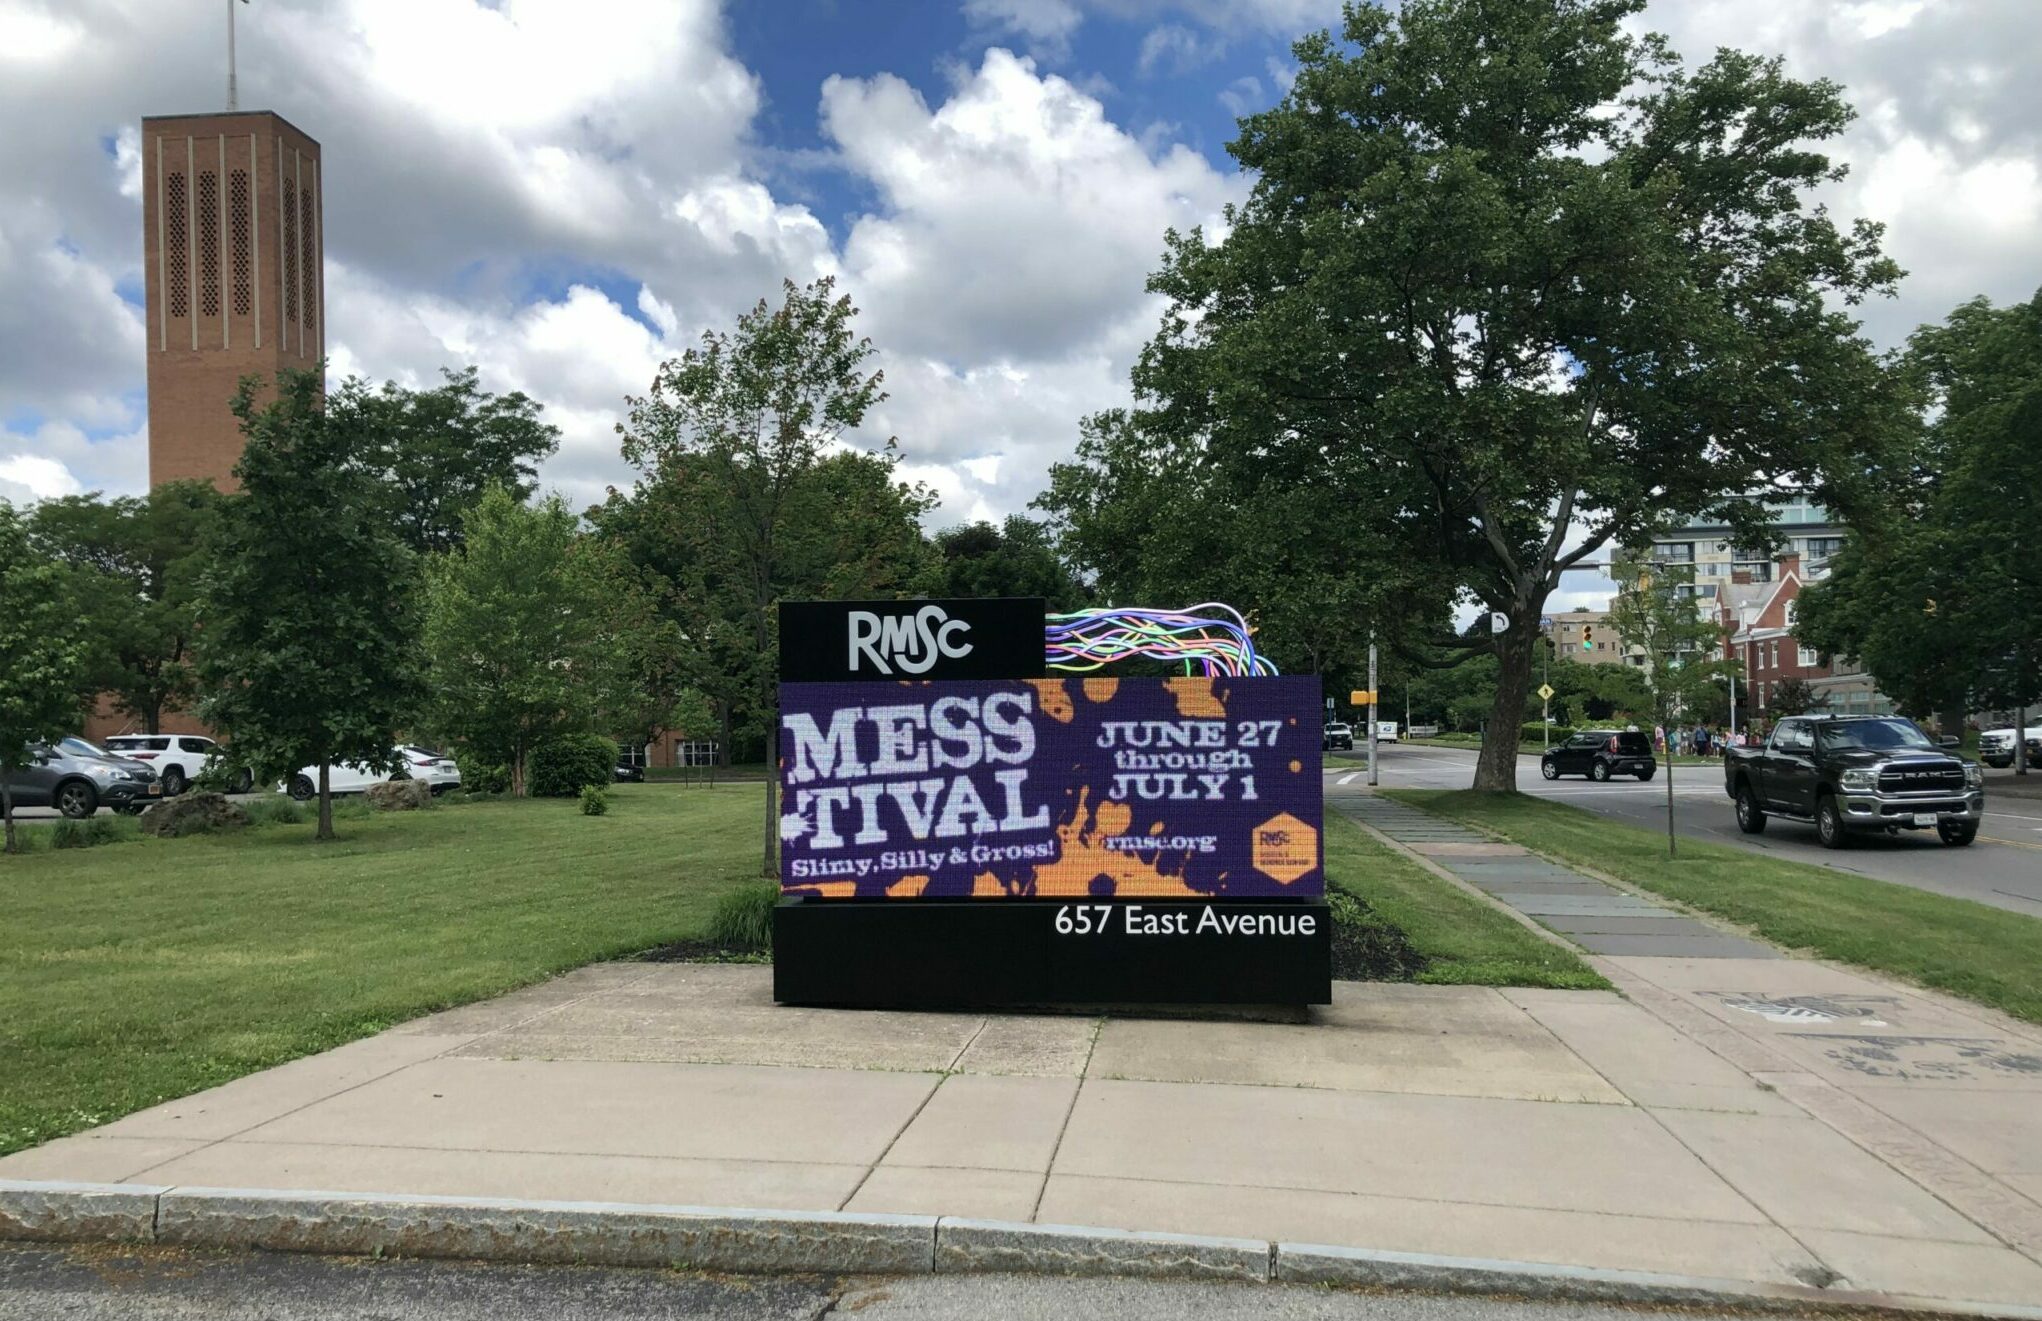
[1203,787]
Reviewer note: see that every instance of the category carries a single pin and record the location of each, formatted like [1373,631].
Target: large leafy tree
[434,452]
[137,561]
[307,620]
[1016,558]
[1513,286]
[1939,591]
[527,633]
[43,654]
[746,495]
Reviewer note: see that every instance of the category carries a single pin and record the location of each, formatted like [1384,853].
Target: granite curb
[766,1242]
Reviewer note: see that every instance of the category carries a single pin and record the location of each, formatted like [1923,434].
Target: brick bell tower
[234,268]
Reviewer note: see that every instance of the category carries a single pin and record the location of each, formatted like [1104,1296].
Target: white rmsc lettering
[911,644]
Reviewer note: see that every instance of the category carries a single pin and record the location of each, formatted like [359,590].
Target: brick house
[1757,620]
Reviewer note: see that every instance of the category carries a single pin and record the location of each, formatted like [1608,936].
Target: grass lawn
[1466,942]
[136,972]
[1968,949]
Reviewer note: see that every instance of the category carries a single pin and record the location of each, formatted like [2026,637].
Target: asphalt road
[2004,868]
[109,1284]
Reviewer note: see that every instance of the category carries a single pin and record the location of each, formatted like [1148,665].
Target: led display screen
[1148,788]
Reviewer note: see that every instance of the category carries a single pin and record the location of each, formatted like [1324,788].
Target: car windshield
[1875,735]
[78,747]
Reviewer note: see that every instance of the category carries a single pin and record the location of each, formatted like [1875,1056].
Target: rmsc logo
[908,643]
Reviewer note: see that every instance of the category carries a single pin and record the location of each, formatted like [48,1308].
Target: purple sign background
[1148,788]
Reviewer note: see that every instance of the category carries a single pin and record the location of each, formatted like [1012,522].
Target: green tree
[1938,593]
[1791,697]
[307,620]
[433,453]
[1167,520]
[525,635]
[1512,286]
[137,561]
[43,654]
[1017,558]
[1655,614]
[734,445]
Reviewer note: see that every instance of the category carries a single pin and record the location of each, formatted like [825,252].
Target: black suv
[1599,754]
[1854,775]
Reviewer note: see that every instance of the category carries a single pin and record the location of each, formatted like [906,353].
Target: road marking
[1348,778]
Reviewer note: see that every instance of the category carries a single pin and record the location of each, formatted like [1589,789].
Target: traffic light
[1588,637]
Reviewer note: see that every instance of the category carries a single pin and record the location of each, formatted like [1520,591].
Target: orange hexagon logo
[1285,848]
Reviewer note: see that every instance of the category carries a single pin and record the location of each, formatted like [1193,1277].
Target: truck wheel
[1829,827]
[1957,833]
[1750,817]
[173,782]
[302,788]
[1645,775]
[1599,772]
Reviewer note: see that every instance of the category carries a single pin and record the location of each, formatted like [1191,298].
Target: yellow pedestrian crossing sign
[1545,692]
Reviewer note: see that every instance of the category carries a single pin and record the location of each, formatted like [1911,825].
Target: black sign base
[966,953]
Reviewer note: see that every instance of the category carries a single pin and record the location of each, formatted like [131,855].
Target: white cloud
[1018,222]
[565,194]
[1046,25]
[1175,50]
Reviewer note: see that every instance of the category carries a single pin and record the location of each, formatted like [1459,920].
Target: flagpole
[233,93]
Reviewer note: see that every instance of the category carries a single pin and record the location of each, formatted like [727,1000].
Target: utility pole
[1372,707]
[1546,703]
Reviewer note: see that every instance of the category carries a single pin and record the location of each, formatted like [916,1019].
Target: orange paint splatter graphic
[1101,690]
[1196,697]
[907,887]
[1085,857]
[1054,699]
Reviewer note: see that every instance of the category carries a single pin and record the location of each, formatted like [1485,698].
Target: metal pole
[233,94]
[1546,703]
[1371,707]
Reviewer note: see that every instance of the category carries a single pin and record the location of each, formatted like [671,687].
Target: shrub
[743,918]
[93,831]
[1530,732]
[595,800]
[479,776]
[1366,945]
[274,812]
[559,767]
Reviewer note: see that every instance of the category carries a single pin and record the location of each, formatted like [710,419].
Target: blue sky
[1174,95]
[565,193]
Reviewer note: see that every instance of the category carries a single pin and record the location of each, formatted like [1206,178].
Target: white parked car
[177,759]
[413,763]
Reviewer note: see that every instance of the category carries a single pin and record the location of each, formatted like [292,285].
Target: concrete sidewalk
[1738,1116]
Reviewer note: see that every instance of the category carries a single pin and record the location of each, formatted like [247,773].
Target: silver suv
[78,778]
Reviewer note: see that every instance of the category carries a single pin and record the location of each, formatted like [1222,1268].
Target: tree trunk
[723,724]
[517,770]
[6,812]
[1496,767]
[152,719]
[325,830]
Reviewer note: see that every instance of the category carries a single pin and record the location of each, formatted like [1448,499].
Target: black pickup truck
[1855,775]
